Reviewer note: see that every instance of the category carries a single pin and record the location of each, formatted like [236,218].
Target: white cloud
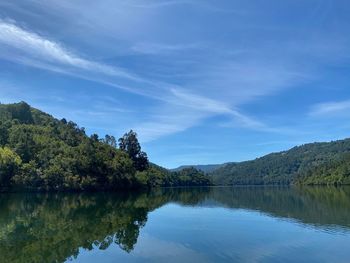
[29,48]
[168,119]
[184,108]
[330,108]
[191,100]
[157,4]
[223,76]
[34,47]
[214,107]
[157,48]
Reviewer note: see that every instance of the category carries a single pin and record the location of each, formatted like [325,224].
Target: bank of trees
[39,152]
[333,172]
[309,164]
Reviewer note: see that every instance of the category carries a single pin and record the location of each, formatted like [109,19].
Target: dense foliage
[316,163]
[336,172]
[39,152]
[206,168]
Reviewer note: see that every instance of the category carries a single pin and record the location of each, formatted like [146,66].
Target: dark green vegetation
[52,228]
[206,168]
[39,152]
[312,164]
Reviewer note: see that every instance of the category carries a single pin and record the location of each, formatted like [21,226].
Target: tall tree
[130,144]
[110,140]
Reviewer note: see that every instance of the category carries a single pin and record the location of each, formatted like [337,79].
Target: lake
[218,224]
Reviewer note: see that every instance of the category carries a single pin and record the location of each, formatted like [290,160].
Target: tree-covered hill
[39,152]
[315,163]
[206,168]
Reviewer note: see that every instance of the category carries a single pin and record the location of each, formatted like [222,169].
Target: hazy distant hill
[207,168]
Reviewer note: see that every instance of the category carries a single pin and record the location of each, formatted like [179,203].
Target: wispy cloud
[201,103]
[168,119]
[37,51]
[206,5]
[185,109]
[191,100]
[29,48]
[330,108]
[43,49]
[158,4]
[172,65]
[222,77]
[159,48]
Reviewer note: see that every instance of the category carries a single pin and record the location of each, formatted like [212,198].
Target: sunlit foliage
[39,152]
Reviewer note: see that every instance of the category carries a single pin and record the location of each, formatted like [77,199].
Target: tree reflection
[53,228]
[316,206]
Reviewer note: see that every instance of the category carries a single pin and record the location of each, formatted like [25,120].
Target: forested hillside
[39,152]
[315,163]
[206,168]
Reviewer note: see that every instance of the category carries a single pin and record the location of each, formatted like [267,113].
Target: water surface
[246,224]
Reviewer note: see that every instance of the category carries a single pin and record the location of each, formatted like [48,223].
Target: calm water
[178,225]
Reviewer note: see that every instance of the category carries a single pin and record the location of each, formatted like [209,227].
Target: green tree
[121,171]
[22,141]
[9,165]
[21,112]
[57,155]
[4,132]
[110,140]
[130,144]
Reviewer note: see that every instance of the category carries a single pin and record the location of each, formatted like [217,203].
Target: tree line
[39,152]
[310,164]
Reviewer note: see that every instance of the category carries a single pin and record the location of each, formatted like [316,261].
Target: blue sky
[200,81]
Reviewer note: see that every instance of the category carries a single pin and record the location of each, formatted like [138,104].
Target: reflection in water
[53,228]
[325,207]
